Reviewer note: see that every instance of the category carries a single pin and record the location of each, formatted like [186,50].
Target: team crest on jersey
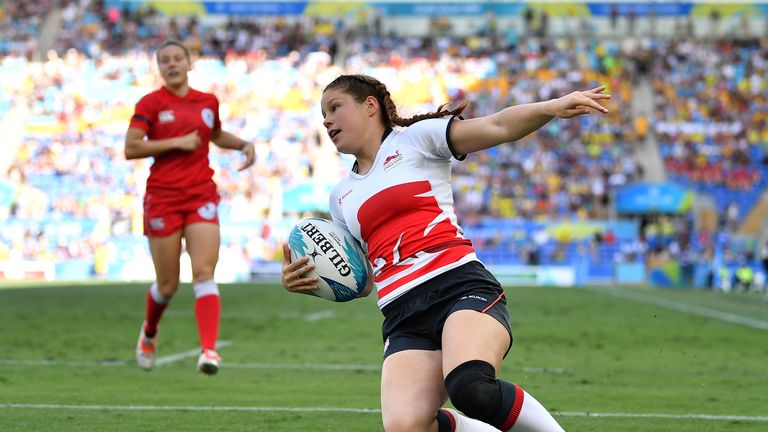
[393,160]
[207,211]
[166,116]
[207,115]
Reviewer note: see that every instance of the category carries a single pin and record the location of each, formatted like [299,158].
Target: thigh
[165,252]
[203,241]
[412,390]
[472,335]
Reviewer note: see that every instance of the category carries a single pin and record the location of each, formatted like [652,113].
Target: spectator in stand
[744,276]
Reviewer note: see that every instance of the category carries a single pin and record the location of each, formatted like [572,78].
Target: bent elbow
[132,150]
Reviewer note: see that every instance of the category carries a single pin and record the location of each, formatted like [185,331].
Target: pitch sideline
[689,416]
[229,365]
[683,307]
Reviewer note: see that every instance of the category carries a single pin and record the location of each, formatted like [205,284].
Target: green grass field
[600,359]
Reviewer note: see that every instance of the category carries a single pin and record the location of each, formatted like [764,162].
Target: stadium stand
[71,200]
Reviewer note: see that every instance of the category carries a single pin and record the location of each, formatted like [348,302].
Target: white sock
[205,288]
[154,291]
[534,417]
[466,424]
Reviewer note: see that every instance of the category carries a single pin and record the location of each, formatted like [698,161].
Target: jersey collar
[383,137]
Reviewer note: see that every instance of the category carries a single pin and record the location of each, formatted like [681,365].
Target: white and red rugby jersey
[402,211]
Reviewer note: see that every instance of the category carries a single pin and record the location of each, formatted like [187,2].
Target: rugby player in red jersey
[174,125]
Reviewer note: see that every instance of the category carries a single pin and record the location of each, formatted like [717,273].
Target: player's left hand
[580,103]
[250,155]
[293,273]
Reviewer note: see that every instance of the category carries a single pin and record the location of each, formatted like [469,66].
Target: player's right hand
[293,278]
[188,142]
[581,102]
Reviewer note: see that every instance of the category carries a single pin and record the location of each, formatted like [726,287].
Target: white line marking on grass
[684,307]
[228,365]
[314,316]
[349,367]
[665,416]
[361,367]
[159,362]
[689,416]
[186,354]
[321,315]
[63,363]
[185,408]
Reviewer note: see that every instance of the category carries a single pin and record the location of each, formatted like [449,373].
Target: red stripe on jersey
[402,266]
[404,227]
[449,256]
[402,220]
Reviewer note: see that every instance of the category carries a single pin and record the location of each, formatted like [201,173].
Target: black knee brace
[475,391]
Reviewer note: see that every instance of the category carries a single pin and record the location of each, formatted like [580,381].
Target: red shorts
[168,212]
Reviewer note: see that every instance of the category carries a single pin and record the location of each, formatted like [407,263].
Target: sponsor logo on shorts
[157,224]
[207,115]
[207,211]
[386,345]
[474,297]
[166,116]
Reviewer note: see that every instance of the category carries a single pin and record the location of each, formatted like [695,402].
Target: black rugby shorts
[416,319]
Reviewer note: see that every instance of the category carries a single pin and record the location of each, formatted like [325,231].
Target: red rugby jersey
[162,115]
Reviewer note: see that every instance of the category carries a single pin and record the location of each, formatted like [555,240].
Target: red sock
[153,314]
[208,314]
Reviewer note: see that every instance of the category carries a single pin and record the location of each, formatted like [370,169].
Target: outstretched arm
[228,141]
[515,122]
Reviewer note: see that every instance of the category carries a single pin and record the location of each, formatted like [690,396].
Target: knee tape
[474,390]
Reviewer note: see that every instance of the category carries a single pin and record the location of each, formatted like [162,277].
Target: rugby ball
[339,260]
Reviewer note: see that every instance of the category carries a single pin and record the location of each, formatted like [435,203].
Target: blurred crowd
[76,197]
[20,23]
[711,108]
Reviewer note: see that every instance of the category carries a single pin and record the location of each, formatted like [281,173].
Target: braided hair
[362,86]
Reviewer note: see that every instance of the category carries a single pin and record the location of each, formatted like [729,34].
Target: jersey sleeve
[216,118]
[432,138]
[144,114]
